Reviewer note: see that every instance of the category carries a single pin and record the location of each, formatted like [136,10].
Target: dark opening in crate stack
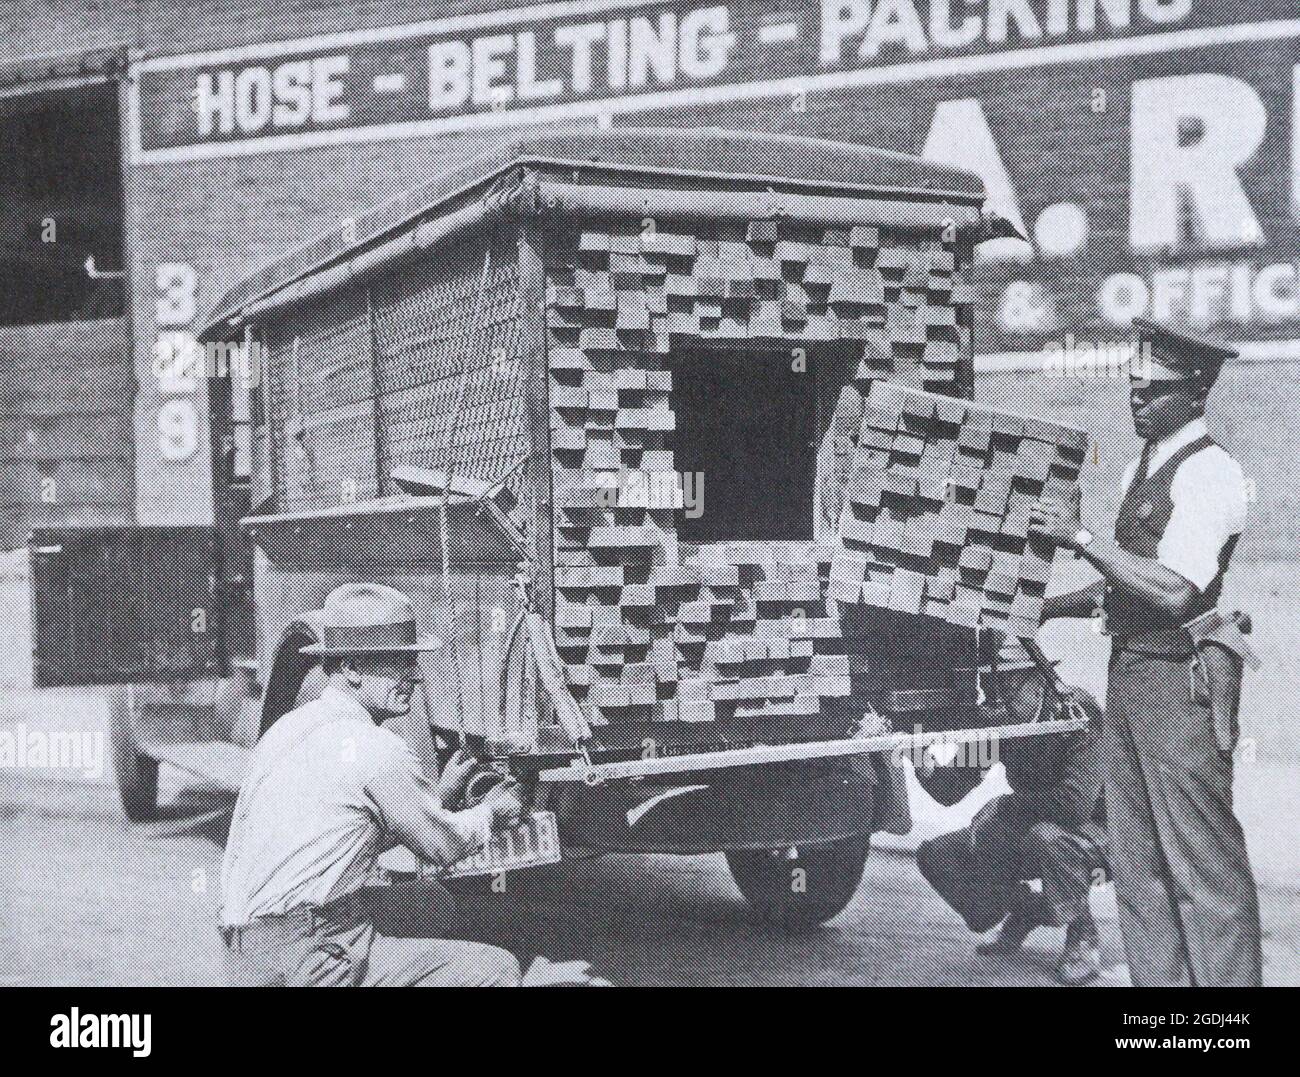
[653,629]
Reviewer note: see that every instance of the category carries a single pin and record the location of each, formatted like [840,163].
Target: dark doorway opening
[746,423]
[61,207]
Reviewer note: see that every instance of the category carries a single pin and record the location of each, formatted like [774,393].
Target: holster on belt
[1221,654]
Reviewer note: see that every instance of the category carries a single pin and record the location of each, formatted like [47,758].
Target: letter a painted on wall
[960,135]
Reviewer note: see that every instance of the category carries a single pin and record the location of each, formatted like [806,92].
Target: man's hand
[454,776]
[506,804]
[1056,519]
[1082,704]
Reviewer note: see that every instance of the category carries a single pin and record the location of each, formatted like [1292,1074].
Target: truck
[670,436]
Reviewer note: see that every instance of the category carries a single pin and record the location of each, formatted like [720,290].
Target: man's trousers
[1188,908]
[977,870]
[310,949]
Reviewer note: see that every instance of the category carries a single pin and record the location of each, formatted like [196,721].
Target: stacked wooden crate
[936,512]
[651,631]
[733,630]
[767,658]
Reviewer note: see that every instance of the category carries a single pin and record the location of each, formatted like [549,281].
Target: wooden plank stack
[936,513]
[652,631]
[730,631]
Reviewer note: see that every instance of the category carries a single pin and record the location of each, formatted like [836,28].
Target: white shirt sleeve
[1209,496]
[1130,473]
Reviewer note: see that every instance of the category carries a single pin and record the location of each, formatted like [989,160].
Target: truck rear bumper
[895,744]
[762,797]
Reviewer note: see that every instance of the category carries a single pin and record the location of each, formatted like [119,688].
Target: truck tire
[829,879]
[136,773]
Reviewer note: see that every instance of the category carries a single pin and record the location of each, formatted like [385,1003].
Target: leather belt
[300,922]
[1159,643]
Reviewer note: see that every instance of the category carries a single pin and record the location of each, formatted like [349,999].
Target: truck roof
[743,160]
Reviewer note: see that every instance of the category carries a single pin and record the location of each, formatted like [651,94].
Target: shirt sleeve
[1130,473]
[1209,497]
[410,810]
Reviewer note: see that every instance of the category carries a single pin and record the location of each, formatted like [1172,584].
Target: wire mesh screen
[422,368]
[322,404]
[447,358]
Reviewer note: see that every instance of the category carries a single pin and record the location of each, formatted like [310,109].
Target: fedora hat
[368,618]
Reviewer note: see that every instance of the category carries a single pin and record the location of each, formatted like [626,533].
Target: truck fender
[289,667]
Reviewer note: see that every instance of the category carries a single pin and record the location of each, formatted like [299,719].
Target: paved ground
[86,898]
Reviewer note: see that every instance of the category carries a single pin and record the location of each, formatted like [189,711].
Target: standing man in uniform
[325,792]
[1188,908]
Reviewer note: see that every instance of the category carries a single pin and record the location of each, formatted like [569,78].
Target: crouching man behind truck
[325,792]
[1050,827]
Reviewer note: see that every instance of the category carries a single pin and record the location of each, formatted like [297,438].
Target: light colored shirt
[1210,504]
[326,791]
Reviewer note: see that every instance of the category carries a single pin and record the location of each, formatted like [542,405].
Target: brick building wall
[1059,152]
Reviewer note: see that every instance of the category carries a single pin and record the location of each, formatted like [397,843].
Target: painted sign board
[1153,164]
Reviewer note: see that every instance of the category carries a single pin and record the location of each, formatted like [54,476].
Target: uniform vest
[1143,516]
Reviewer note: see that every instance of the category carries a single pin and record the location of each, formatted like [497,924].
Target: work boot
[1081,957]
[1025,915]
[1011,935]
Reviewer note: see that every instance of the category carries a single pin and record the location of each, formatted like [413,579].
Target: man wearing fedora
[1188,907]
[326,790]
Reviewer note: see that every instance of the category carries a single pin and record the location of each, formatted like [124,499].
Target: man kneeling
[325,792]
[1049,828]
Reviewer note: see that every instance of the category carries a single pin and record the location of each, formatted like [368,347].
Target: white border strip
[36,87]
[453,24]
[1016,59]
[1252,352]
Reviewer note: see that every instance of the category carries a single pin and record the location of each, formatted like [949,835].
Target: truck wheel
[800,887]
[137,774]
